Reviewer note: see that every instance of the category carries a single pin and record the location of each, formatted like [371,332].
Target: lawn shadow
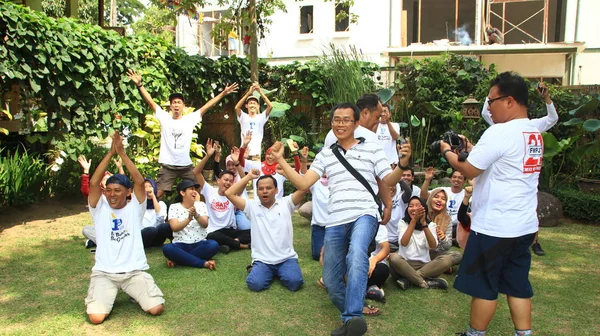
[49,210]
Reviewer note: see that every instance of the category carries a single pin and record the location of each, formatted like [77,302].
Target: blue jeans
[346,255]
[262,275]
[194,255]
[243,223]
[316,240]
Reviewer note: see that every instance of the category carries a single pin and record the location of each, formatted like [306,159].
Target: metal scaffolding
[494,5]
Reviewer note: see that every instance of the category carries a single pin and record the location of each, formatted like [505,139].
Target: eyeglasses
[344,122]
[491,101]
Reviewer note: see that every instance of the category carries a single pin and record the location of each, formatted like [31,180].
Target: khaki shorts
[168,174]
[137,284]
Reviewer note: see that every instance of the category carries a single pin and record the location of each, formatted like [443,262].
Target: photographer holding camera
[507,163]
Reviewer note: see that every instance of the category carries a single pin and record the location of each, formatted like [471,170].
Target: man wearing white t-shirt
[176,132]
[353,212]
[221,212]
[506,161]
[120,257]
[253,121]
[273,251]
[387,134]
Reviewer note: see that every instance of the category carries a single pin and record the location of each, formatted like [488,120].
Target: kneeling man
[120,257]
[272,232]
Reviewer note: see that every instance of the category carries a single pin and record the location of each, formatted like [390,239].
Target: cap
[119,179]
[186,184]
[175,96]
[252,97]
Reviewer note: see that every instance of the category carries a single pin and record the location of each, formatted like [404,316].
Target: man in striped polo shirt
[353,214]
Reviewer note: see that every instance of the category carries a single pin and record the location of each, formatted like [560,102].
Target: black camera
[457,145]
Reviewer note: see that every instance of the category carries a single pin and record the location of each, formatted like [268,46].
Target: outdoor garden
[69,83]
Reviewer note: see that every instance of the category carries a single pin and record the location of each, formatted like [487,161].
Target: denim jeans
[194,255]
[243,223]
[262,275]
[316,240]
[346,255]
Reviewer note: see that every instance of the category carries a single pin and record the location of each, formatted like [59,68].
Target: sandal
[249,268]
[320,283]
[369,310]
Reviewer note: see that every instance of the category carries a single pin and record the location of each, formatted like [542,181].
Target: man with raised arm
[176,132]
[120,257]
[253,121]
[273,251]
[353,213]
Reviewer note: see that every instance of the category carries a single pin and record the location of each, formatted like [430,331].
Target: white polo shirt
[249,165]
[349,199]
[271,231]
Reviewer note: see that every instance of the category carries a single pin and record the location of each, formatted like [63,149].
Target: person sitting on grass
[188,218]
[221,223]
[412,264]
[379,271]
[272,232]
[120,257]
[436,203]
[155,230]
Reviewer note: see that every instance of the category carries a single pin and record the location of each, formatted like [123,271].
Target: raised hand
[230,88]
[191,212]
[277,150]
[85,164]
[294,146]
[235,154]
[247,139]
[254,173]
[429,173]
[468,191]
[210,147]
[218,147]
[304,153]
[117,144]
[134,76]
[405,153]
[118,162]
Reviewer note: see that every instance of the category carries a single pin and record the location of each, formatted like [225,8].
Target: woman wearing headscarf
[438,212]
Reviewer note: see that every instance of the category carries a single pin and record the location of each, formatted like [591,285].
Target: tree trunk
[253,43]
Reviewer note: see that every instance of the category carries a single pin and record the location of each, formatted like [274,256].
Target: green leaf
[414,121]
[591,125]
[550,145]
[297,138]
[573,121]
[34,86]
[403,125]
[26,67]
[385,95]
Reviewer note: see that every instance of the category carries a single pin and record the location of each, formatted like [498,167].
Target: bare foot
[244,246]
[170,264]
[211,265]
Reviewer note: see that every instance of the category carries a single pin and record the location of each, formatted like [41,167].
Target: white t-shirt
[453,202]
[176,137]
[256,126]
[153,219]
[397,214]
[249,165]
[118,236]
[320,197]
[221,212]
[381,237]
[349,199]
[417,248]
[359,132]
[504,202]
[271,231]
[387,142]
[542,124]
[193,232]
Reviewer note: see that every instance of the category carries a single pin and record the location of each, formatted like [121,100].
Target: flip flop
[249,268]
[369,310]
[320,283]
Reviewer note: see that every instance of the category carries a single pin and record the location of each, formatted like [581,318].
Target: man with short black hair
[176,130]
[506,161]
[253,122]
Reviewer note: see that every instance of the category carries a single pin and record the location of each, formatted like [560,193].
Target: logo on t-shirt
[219,206]
[176,134]
[252,125]
[118,231]
[534,151]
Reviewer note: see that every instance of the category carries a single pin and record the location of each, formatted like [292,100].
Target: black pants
[156,236]
[227,237]
[379,275]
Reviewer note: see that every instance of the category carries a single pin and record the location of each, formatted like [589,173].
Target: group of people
[369,220]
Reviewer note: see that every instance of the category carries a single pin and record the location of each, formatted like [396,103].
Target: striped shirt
[348,198]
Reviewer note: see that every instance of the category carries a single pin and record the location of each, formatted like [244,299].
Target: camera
[457,145]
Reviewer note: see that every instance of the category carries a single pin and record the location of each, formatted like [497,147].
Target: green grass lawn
[44,275]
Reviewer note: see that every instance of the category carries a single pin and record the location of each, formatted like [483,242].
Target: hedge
[579,205]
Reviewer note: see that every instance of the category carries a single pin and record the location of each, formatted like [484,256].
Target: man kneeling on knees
[120,257]
[272,233]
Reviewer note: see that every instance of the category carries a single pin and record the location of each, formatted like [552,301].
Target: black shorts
[491,265]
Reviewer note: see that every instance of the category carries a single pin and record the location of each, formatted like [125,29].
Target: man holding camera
[507,163]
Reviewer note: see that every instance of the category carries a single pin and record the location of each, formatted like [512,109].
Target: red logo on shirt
[219,206]
[534,152]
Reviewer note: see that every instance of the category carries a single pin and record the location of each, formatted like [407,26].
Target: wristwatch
[403,167]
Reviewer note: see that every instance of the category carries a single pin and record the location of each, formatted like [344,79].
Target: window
[342,17]
[306,20]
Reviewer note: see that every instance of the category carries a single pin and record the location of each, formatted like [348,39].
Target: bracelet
[140,85]
[446,151]
[403,167]
[236,164]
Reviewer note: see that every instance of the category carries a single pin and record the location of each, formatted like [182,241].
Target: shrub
[579,205]
[23,178]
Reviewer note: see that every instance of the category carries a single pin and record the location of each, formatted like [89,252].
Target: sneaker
[538,250]
[375,293]
[89,243]
[356,326]
[224,249]
[403,284]
[436,283]
[340,331]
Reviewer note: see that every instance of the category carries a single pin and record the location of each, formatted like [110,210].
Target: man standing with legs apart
[176,132]
[253,121]
[507,163]
[120,257]
[353,212]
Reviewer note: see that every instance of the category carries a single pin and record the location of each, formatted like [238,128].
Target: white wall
[586,70]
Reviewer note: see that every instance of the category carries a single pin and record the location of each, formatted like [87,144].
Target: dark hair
[264,177]
[150,205]
[368,101]
[355,110]
[454,171]
[412,171]
[407,218]
[226,172]
[513,85]
[175,96]
[386,105]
